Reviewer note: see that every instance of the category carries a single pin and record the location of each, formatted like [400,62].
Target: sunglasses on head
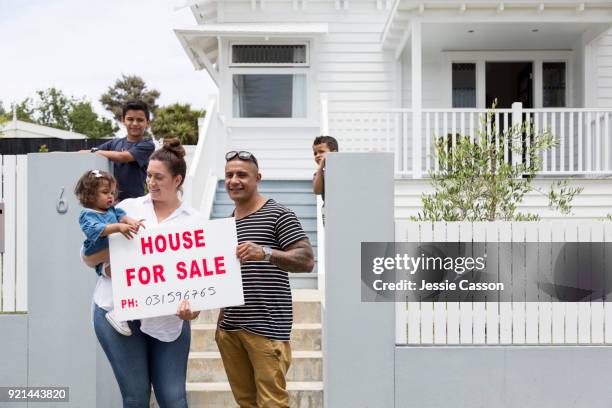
[242,155]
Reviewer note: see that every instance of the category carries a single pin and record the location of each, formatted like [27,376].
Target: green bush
[476,182]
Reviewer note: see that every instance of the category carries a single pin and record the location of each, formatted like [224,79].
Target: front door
[509,82]
[506,83]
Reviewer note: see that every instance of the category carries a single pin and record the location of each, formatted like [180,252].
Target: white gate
[13,261]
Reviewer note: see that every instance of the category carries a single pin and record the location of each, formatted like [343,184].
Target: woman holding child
[152,351]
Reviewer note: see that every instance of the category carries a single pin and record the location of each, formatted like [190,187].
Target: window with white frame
[269,80]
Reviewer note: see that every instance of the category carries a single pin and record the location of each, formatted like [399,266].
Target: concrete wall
[13,353]
[521,377]
[54,343]
[358,337]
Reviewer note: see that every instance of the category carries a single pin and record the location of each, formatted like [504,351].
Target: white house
[369,72]
[391,75]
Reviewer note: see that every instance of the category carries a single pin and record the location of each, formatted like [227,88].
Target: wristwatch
[267,253]
[94,149]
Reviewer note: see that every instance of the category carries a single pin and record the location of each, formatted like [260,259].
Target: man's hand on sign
[248,251]
[184,311]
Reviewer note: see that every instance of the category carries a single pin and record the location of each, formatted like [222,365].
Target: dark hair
[172,153]
[86,188]
[330,141]
[135,105]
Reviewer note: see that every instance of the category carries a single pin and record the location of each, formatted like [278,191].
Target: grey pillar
[13,354]
[358,337]
[62,347]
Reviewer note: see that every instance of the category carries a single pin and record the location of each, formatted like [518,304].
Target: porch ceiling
[438,37]
[596,14]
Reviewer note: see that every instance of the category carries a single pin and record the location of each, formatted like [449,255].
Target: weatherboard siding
[603,66]
[283,153]
[347,64]
[592,203]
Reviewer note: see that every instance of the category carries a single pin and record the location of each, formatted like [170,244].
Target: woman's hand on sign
[184,311]
[248,251]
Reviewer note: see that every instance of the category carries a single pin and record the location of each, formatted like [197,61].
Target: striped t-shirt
[267,295]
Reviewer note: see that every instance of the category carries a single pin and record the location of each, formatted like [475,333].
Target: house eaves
[202,43]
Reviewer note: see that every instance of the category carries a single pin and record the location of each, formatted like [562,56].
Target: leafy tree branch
[486,177]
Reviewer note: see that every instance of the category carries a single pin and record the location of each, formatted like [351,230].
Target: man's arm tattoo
[298,257]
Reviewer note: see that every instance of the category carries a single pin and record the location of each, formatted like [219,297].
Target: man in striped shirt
[254,338]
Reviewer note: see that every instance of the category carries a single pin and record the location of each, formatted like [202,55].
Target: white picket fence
[13,262]
[504,323]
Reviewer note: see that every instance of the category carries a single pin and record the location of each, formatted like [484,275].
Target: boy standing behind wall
[130,154]
[320,147]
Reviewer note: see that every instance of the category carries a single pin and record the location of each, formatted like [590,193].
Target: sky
[83,46]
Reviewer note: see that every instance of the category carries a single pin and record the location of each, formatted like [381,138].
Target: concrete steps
[206,366]
[207,384]
[304,337]
[215,395]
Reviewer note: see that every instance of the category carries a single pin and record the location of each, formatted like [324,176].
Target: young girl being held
[96,191]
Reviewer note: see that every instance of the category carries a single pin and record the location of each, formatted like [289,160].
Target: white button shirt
[164,328]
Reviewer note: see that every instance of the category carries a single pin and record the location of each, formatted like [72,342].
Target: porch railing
[583,135]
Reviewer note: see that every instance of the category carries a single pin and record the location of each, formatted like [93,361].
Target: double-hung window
[269,80]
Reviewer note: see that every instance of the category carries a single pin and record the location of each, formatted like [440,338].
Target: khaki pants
[256,368]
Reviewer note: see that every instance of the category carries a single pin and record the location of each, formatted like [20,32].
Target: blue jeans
[140,360]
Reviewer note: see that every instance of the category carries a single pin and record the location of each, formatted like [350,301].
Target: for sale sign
[158,268]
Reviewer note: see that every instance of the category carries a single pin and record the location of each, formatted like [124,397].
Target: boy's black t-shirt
[131,176]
